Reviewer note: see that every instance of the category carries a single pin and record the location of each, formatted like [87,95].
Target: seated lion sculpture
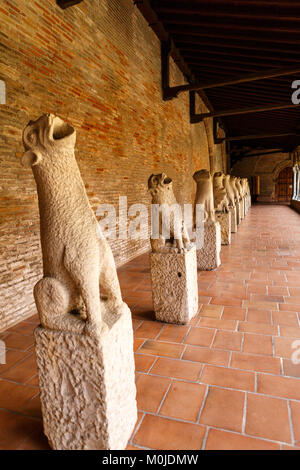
[220,194]
[233,185]
[229,190]
[161,189]
[76,257]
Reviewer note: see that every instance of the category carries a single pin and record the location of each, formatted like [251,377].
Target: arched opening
[284,185]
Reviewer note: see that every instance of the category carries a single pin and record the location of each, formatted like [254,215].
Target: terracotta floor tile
[277,386]
[12,358]
[22,371]
[177,369]
[183,401]
[225,301]
[271,365]
[259,305]
[229,378]
[259,328]
[148,330]
[290,369]
[150,392]
[36,440]
[18,341]
[290,331]
[234,313]
[143,362]
[225,440]
[137,343]
[214,311]
[263,421]
[258,316]
[207,355]
[173,333]
[160,348]
[32,408]
[295,410]
[283,347]
[15,429]
[285,318]
[200,336]
[217,323]
[14,396]
[166,434]
[228,340]
[289,308]
[258,344]
[223,409]
[276,290]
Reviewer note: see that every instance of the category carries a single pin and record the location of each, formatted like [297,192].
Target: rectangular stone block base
[174,286]
[233,218]
[242,203]
[87,384]
[224,219]
[208,257]
[238,213]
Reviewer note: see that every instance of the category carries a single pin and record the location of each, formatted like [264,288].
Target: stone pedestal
[208,257]
[238,213]
[174,286]
[224,219]
[233,219]
[242,203]
[88,393]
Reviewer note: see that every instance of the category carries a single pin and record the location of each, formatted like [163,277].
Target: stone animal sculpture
[245,186]
[232,181]
[204,194]
[229,190]
[76,257]
[161,189]
[239,187]
[220,194]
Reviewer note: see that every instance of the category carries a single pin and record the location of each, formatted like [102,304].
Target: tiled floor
[226,380]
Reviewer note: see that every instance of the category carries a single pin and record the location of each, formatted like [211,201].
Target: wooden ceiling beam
[207,33]
[258,136]
[174,91]
[235,112]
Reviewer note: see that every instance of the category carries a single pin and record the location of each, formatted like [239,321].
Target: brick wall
[97,65]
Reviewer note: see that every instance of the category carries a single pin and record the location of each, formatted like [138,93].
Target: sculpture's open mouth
[167,180]
[61,129]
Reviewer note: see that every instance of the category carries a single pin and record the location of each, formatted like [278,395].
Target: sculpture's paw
[94,329]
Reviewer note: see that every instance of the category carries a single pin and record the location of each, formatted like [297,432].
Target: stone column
[224,219]
[208,257]
[87,385]
[174,286]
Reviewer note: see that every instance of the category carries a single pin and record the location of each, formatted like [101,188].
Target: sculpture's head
[49,132]
[158,183]
[218,176]
[201,175]
[226,177]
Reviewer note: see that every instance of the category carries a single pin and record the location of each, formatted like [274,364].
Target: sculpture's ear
[30,159]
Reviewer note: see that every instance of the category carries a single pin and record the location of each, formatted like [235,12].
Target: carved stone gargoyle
[220,194]
[161,189]
[76,257]
[229,190]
